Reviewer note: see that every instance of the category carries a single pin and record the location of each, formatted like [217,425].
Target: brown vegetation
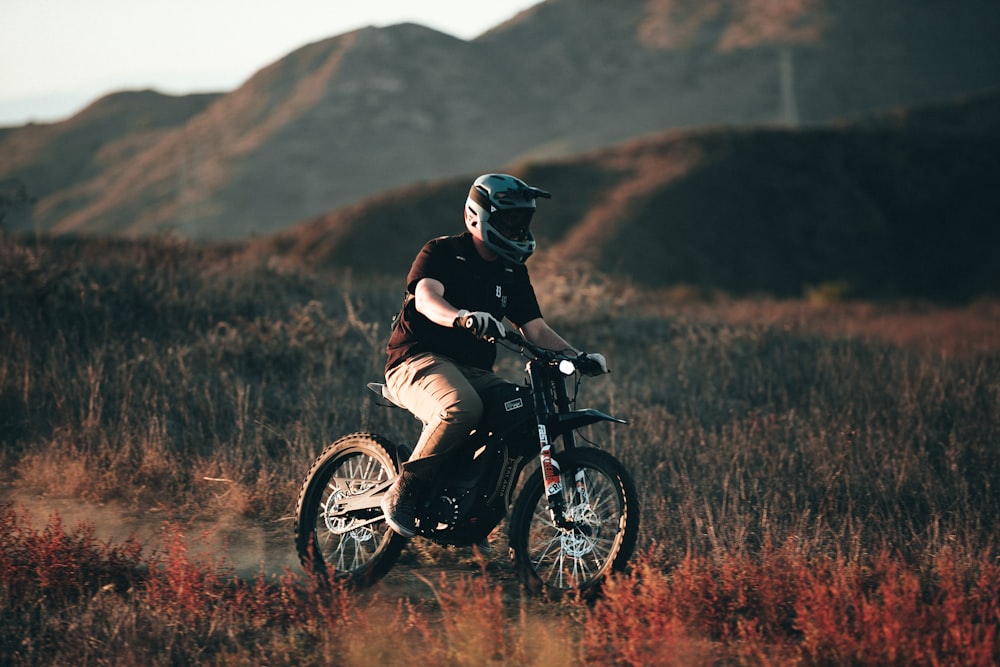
[818,483]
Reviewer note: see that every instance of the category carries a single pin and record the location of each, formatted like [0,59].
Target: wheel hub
[339,523]
[579,540]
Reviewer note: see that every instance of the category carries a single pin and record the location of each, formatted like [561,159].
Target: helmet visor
[513,223]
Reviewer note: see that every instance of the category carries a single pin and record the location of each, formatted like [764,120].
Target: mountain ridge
[885,206]
[345,118]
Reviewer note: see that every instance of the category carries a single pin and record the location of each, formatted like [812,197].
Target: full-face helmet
[499,210]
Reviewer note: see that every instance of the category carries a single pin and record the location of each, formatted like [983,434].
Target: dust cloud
[248,547]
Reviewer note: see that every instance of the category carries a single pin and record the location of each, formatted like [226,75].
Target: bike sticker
[550,469]
[581,486]
[543,435]
[513,405]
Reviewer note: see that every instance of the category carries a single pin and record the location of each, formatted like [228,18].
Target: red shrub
[61,565]
[786,607]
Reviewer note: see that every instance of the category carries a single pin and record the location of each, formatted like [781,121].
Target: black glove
[481,324]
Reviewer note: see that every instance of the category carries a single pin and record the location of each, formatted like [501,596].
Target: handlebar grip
[467,320]
[480,324]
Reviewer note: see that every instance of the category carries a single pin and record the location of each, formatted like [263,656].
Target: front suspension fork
[552,481]
[551,475]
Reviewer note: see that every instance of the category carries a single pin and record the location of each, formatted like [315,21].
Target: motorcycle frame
[554,419]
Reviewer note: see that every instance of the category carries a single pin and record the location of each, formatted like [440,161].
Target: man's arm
[541,334]
[430,302]
[538,331]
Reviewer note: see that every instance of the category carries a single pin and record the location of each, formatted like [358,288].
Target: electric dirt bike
[575,519]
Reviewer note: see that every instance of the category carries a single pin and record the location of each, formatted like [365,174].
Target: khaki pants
[445,397]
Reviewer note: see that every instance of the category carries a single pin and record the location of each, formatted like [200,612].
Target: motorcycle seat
[382,390]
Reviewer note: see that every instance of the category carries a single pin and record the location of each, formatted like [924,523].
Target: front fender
[569,421]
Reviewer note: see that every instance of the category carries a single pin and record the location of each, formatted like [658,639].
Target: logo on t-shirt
[501,296]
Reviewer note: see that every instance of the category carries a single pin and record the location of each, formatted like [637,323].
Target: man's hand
[481,324]
[593,363]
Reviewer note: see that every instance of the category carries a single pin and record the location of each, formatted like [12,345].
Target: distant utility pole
[786,72]
[188,190]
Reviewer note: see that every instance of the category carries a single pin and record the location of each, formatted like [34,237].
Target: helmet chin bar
[516,252]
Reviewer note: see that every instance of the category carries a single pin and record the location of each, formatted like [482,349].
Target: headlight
[566,367]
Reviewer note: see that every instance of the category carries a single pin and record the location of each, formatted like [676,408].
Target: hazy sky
[57,56]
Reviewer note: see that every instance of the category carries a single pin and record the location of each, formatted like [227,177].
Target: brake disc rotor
[575,541]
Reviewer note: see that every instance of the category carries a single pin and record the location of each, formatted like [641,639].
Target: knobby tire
[326,544]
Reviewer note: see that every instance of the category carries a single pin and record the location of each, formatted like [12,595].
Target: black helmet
[501,207]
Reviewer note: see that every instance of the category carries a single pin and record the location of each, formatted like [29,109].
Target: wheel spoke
[339,528]
[348,549]
[567,558]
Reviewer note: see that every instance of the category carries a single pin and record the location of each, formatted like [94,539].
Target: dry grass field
[818,477]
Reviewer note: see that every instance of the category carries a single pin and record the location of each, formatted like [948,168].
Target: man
[440,354]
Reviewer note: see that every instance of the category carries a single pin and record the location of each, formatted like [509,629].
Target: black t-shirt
[470,282]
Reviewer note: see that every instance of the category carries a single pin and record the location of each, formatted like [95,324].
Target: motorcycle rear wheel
[349,547]
[554,561]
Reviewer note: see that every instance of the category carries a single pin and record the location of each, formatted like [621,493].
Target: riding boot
[400,503]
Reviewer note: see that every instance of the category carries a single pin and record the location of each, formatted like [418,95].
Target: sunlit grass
[817,480]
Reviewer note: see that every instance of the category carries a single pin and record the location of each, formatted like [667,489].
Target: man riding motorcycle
[440,354]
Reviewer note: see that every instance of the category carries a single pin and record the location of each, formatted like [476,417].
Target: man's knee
[464,410]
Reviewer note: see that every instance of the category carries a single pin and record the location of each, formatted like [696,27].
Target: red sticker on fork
[550,469]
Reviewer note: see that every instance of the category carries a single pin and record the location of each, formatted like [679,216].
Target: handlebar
[554,357]
[580,362]
[517,339]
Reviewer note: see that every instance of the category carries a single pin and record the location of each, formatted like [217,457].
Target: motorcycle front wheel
[340,531]
[601,502]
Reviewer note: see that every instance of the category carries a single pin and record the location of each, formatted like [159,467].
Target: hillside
[52,160]
[346,118]
[897,205]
